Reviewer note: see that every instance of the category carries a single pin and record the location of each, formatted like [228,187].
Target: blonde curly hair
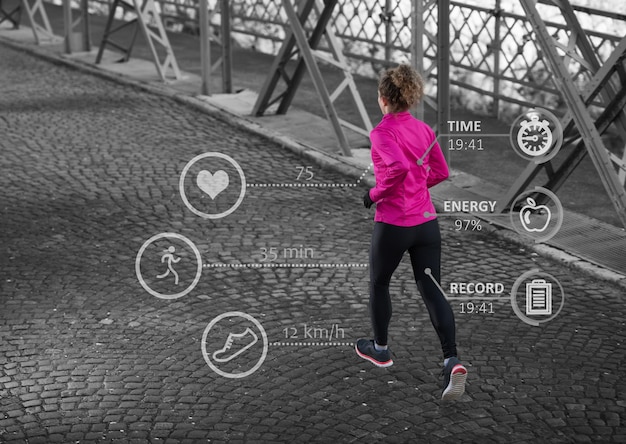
[402,86]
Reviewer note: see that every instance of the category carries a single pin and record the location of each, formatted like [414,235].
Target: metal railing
[493,59]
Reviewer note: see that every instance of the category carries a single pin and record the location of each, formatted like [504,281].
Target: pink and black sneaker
[454,377]
[380,358]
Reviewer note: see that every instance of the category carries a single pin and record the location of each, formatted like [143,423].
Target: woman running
[407,162]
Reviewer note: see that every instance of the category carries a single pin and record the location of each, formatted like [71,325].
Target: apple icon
[528,216]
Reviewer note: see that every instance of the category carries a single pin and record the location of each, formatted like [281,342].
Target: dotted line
[312,185]
[364,174]
[301,185]
[285,265]
[308,344]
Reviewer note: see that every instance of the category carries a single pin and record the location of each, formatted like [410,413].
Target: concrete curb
[563,257]
[311,153]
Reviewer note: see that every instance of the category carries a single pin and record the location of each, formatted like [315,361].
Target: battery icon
[538,297]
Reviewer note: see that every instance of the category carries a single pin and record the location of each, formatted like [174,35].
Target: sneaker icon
[244,343]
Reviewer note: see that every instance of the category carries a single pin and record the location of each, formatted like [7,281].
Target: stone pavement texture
[90,172]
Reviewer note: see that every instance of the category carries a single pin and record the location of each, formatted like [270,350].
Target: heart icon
[212,184]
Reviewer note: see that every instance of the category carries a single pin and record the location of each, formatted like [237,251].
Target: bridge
[121,120]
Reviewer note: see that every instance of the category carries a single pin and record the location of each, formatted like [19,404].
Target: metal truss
[225,42]
[443,73]
[13,16]
[418,26]
[427,71]
[607,86]
[37,19]
[297,43]
[76,31]
[147,16]
[441,62]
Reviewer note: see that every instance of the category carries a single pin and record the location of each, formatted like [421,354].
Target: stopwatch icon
[534,136]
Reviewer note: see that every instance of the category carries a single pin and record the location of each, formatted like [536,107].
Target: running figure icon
[169,256]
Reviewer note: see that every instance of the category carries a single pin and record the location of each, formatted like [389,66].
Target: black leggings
[423,242]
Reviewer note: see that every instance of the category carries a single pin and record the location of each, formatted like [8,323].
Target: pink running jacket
[401,194]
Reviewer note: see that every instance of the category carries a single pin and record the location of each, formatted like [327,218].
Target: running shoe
[454,376]
[244,340]
[380,358]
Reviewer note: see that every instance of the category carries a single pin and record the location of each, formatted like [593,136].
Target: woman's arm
[391,155]
[438,171]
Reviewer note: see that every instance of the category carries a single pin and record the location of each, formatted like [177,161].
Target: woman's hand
[367,200]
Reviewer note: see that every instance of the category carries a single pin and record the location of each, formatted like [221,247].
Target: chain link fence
[495,66]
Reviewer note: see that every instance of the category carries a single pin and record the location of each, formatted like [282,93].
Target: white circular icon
[534,136]
[169,258]
[541,291]
[537,135]
[539,221]
[212,184]
[234,343]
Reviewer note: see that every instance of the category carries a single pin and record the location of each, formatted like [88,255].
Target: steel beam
[298,43]
[109,31]
[599,85]
[225,60]
[279,67]
[443,74]
[580,115]
[497,50]
[417,46]
[40,25]
[227,48]
[205,46]
[76,32]
[312,42]
[314,71]
[594,86]
[339,60]
[147,14]
[13,16]
[608,117]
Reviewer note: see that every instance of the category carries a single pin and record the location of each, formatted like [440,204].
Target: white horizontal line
[470,214]
[482,298]
[286,265]
[308,344]
[478,135]
[301,185]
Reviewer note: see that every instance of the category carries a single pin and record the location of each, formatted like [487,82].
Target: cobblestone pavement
[90,172]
